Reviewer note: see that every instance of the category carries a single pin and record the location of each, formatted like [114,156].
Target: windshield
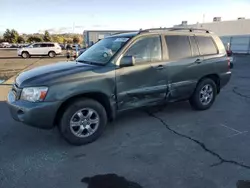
[103,51]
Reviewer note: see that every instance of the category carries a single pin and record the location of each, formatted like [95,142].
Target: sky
[60,16]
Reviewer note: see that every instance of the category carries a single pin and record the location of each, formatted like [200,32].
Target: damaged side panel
[138,86]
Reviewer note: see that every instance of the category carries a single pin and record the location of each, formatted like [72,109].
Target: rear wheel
[52,54]
[25,55]
[204,95]
[83,122]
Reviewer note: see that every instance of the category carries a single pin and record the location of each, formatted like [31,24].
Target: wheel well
[100,97]
[25,52]
[51,51]
[215,78]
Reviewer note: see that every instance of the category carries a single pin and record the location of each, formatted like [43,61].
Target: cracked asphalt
[160,147]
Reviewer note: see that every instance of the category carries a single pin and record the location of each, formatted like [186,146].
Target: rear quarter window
[206,45]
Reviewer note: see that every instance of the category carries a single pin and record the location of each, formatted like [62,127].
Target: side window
[194,46]
[146,49]
[36,45]
[51,45]
[44,45]
[178,46]
[206,45]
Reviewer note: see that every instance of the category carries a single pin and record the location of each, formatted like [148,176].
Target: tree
[68,40]
[34,39]
[47,37]
[10,36]
[58,39]
[20,39]
[76,39]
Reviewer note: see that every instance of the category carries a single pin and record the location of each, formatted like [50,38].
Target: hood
[48,74]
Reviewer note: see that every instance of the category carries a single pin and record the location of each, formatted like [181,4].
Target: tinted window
[36,45]
[146,50]
[44,45]
[194,46]
[51,45]
[178,46]
[206,45]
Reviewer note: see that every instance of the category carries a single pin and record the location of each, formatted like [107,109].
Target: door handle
[198,61]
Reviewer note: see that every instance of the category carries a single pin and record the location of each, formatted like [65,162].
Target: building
[235,32]
[92,36]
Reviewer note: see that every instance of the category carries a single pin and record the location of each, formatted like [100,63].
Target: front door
[144,83]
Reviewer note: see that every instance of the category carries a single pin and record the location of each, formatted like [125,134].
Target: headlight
[34,94]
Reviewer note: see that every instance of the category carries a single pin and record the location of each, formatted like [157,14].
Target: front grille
[17,91]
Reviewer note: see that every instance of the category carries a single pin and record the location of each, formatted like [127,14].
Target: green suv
[121,72]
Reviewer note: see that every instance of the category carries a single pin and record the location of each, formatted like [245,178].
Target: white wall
[226,28]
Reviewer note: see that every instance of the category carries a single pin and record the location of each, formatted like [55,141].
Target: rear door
[210,55]
[44,49]
[183,57]
[145,82]
[51,47]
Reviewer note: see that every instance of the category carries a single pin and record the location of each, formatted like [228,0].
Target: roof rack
[174,29]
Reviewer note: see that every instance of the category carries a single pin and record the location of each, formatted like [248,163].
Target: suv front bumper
[39,114]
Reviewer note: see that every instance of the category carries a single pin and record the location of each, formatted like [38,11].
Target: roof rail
[174,29]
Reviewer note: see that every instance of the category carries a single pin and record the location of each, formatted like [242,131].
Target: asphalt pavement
[160,147]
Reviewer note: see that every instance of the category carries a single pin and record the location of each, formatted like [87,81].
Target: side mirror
[127,61]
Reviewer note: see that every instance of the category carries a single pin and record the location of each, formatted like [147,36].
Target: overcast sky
[29,16]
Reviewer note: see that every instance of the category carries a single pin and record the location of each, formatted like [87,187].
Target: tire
[52,54]
[201,100]
[25,55]
[72,124]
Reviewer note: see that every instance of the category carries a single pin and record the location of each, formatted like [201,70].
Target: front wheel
[83,122]
[25,55]
[204,95]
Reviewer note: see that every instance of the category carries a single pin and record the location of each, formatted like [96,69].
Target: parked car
[50,49]
[81,51]
[5,45]
[14,46]
[121,72]
[62,46]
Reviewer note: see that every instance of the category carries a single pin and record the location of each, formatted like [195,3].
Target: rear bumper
[40,115]
[224,78]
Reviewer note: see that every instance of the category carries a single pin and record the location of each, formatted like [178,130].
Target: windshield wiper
[89,62]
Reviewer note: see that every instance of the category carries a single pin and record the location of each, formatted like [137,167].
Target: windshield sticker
[121,39]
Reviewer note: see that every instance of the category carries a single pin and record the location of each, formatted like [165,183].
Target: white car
[50,49]
[5,45]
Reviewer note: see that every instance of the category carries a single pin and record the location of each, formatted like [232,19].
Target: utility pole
[203,20]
